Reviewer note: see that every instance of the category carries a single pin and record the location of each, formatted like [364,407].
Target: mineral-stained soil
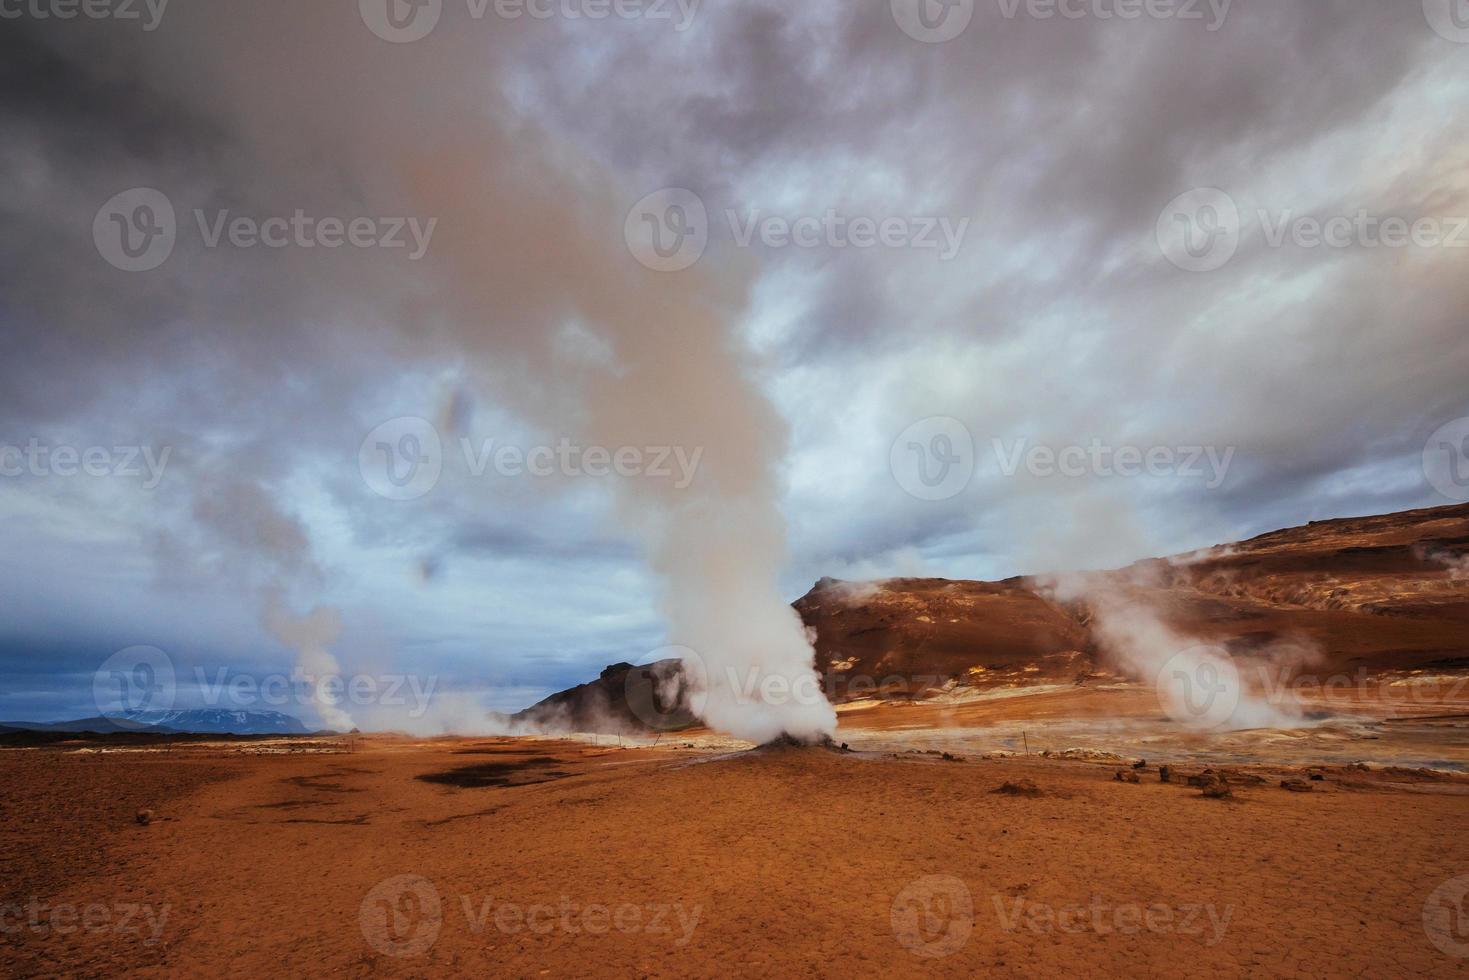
[362,859]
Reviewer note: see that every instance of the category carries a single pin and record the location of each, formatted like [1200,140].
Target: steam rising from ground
[528,290]
[311,637]
[1199,683]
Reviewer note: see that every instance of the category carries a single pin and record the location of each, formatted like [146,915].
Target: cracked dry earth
[496,857]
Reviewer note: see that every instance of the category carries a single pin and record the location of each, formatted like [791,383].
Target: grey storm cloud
[1058,322]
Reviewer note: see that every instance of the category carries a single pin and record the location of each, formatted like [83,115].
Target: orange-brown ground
[414,858]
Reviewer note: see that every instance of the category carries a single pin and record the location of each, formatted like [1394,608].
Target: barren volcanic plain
[1009,799]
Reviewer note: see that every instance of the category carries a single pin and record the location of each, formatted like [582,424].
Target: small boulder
[1217,791]
[144,816]
[1165,775]
[1126,776]
[1296,785]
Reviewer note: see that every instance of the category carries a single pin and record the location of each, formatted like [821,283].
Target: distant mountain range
[204,721]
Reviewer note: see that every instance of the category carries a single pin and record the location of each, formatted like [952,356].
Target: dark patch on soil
[460,816]
[294,804]
[315,782]
[498,774]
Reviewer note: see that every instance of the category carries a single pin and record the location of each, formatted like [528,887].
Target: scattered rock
[950,757]
[1140,764]
[145,816]
[1296,785]
[1237,778]
[1165,775]
[1020,787]
[1124,776]
[1217,791]
[1086,755]
[1316,777]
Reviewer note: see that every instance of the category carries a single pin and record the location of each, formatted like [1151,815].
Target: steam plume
[528,287]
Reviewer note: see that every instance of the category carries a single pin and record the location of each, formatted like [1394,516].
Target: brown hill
[1362,594]
[1353,597]
[623,700]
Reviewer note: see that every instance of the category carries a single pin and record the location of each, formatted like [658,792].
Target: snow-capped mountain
[217,721]
[210,721]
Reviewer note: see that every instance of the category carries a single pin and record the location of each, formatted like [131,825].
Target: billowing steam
[311,637]
[1199,684]
[527,288]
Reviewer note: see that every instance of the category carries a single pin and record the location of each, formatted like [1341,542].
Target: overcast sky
[980,290]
